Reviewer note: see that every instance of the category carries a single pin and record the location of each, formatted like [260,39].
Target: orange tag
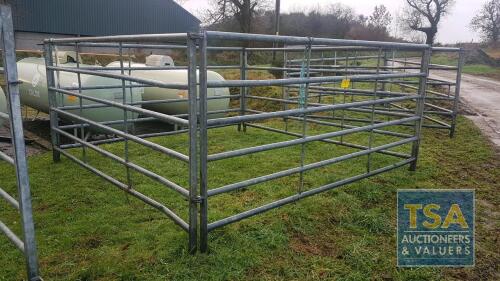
[72,98]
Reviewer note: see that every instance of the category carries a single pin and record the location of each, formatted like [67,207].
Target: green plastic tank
[3,108]
[174,76]
[33,90]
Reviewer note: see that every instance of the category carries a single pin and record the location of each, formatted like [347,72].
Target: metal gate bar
[27,243]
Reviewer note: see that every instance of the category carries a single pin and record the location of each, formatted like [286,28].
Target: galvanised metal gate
[26,243]
[388,141]
[442,95]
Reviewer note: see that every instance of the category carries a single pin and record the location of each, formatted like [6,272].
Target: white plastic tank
[34,93]
[159,60]
[174,76]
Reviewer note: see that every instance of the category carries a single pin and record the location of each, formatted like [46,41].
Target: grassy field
[89,230]
[469,68]
[483,70]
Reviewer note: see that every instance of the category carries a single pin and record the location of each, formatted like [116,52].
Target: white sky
[454,28]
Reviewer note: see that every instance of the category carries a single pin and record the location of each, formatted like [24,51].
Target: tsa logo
[435,227]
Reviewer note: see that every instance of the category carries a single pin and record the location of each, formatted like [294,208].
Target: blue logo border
[438,190]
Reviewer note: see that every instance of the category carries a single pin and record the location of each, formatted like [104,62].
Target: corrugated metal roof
[102,17]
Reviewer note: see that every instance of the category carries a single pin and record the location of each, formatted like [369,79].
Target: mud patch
[90,242]
[7,148]
[307,246]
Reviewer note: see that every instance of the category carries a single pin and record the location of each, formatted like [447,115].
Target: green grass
[89,230]
[482,69]
[475,69]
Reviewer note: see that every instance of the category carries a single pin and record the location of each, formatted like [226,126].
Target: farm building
[36,20]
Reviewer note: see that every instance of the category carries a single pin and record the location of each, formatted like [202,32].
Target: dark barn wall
[49,18]
[102,17]
[32,41]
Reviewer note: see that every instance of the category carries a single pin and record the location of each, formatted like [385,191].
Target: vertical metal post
[243,89]
[342,121]
[419,109]
[393,57]
[16,125]
[58,96]
[203,146]
[456,100]
[334,94]
[284,89]
[131,90]
[125,118]
[355,61]
[54,118]
[276,25]
[304,117]
[80,102]
[372,120]
[383,86]
[193,143]
[322,74]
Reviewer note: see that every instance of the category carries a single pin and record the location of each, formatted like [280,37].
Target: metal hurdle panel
[300,109]
[441,105]
[26,243]
[303,113]
[123,83]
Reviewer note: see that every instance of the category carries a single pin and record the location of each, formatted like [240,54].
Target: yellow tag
[182,94]
[345,83]
[72,98]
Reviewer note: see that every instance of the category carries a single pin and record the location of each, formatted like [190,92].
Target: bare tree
[425,15]
[328,21]
[487,22]
[244,11]
[380,18]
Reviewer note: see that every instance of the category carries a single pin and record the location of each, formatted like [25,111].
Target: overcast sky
[454,28]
